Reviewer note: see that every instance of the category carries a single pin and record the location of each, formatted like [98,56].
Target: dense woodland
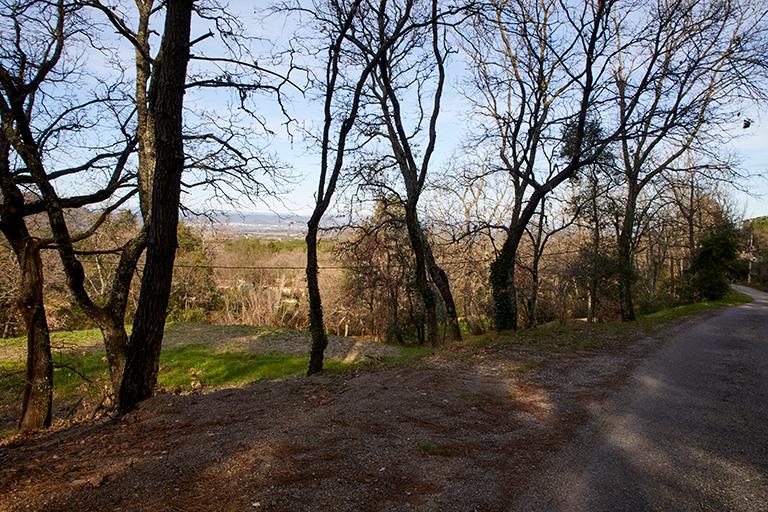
[592,180]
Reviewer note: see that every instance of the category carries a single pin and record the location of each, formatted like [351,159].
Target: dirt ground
[462,430]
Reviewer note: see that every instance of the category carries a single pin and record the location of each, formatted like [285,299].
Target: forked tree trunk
[440,278]
[111,319]
[428,298]
[142,363]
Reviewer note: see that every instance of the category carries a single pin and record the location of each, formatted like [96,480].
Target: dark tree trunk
[443,285]
[37,397]
[626,271]
[503,288]
[116,346]
[110,317]
[594,278]
[140,375]
[316,327]
[530,319]
[593,290]
[428,298]
[626,268]
[111,321]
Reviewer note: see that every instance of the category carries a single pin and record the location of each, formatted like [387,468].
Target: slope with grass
[461,427]
[196,357]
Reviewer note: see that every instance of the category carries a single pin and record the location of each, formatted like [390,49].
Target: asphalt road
[689,432]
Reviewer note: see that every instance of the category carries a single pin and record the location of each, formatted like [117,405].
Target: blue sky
[751,146]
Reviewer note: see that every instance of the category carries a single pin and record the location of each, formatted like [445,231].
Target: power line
[446,263]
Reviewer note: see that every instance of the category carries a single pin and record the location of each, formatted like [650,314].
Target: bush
[714,263]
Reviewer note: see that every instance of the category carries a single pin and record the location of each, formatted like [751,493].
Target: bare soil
[462,430]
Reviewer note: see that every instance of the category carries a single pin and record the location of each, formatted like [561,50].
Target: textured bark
[145,128]
[428,298]
[440,278]
[112,319]
[503,288]
[140,375]
[316,325]
[37,397]
[625,253]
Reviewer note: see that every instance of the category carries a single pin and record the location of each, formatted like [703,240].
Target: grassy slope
[82,373]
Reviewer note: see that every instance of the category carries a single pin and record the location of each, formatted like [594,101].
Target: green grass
[190,361]
[82,338]
[180,366]
[732,298]
[80,374]
[581,336]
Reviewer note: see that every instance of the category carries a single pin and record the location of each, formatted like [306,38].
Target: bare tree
[43,117]
[342,85]
[680,88]
[417,62]
[166,102]
[218,155]
[538,66]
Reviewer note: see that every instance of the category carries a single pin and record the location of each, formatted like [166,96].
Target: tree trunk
[37,397]
[530,320]
[594,278]
[142,362]
[116,346]
[443,285]
[429,301]
[111,321]
[626,272]
[626,268]
[592,313]
[503,288]
[316,327]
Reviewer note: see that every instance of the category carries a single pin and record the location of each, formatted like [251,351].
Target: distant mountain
[263,218]
[255,224]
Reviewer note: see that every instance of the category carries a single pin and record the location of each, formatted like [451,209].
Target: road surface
[689,432]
